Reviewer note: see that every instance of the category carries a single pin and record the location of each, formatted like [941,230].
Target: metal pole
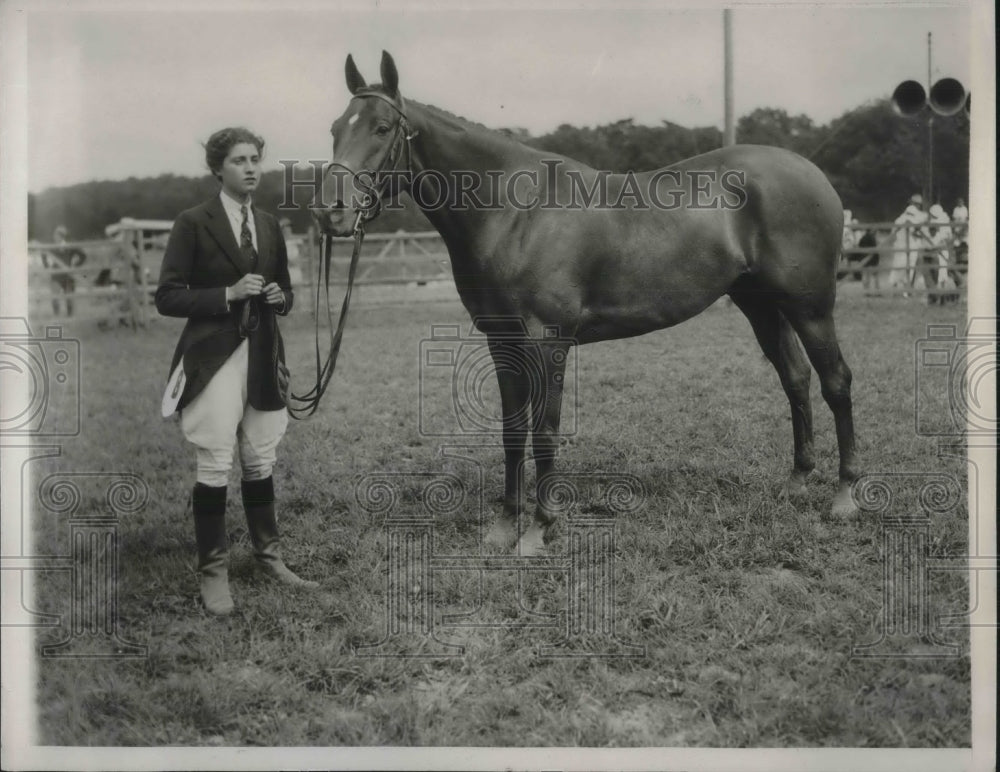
[729,136]
[928,62]
[930,161]
[929,197]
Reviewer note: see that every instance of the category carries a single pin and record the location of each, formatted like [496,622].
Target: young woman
[226,271]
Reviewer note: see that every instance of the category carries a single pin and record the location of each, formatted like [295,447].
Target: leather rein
[302,406]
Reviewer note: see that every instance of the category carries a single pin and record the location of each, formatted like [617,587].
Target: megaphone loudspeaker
[947,96]
[909,98]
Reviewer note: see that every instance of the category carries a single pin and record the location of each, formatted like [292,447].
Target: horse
[759,224]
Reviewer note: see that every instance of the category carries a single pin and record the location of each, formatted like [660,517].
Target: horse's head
[369,143]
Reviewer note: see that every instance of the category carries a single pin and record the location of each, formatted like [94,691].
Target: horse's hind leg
[819,337]
[777,340]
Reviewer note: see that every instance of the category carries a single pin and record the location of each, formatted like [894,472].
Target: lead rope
[308,403]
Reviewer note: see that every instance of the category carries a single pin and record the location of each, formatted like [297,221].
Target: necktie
[246,240]
[249,317]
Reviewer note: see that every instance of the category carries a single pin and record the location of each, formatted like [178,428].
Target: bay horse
[760,224]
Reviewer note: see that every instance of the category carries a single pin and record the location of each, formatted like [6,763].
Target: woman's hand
[250,285]
[274,295]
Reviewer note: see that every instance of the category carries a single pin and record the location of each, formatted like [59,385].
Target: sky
[114,93]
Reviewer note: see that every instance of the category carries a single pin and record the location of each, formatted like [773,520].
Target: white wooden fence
[118,277]
[113,282]
[388,258]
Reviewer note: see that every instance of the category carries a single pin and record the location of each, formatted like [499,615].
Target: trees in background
[874,158]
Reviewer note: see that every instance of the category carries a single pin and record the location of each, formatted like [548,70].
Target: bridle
[371,202]
[304,405]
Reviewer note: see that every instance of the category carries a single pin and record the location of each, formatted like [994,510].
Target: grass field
[747,605]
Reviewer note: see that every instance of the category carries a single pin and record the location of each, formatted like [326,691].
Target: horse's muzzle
[336,220]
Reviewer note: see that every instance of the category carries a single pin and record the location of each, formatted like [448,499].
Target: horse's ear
[390,78]
[354,79]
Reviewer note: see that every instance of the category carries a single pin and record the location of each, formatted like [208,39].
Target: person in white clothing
[909,240]
[849,238]
[961,212]
[960,242]
[960,227]
[940,234]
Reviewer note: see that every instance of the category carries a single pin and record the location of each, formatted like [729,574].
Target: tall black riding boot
[209,505]
[258,500]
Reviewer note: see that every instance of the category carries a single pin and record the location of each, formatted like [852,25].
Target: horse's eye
[382,130]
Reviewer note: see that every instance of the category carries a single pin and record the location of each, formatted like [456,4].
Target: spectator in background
[849,238]
[909,240]
[960,213]
[870,275]
[960,235]
[940,237]
[58,259]
[960,225]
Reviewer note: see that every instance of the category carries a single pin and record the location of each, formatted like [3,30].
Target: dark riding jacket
[202,259]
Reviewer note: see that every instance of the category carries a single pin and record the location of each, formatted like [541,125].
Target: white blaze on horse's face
[362,138]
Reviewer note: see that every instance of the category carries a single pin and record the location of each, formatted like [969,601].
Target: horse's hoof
[843,503]
[502,534]
[795,486]
[532,541]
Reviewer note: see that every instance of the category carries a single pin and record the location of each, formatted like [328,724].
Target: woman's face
[240,171]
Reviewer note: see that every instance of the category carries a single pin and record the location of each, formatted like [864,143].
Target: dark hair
[222,141]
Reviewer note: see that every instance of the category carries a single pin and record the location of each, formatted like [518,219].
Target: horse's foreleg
[546,406]
[508,359]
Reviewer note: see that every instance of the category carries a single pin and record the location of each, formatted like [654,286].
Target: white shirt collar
[232,206]
[233,211]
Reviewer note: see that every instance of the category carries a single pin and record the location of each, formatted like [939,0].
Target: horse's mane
[456,122]
[464,124]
